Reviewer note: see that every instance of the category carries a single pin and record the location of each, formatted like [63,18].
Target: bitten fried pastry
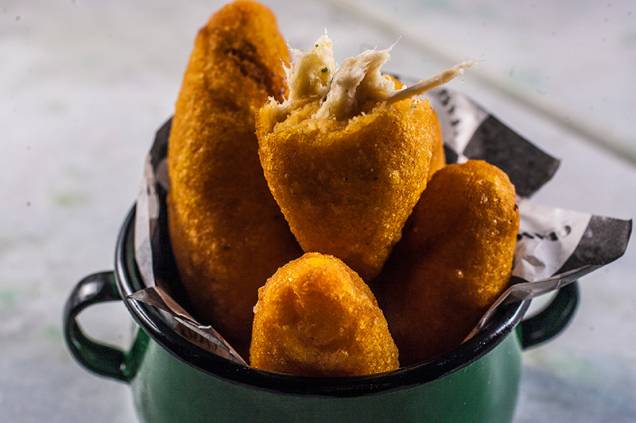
[227,232]
[345,166]
[453,261]
[316,317]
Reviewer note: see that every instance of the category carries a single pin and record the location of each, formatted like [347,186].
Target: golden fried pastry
[316,317]
[346,167]
[453,261]
[227,232]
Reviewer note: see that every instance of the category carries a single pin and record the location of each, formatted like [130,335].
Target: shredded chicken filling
[313,76]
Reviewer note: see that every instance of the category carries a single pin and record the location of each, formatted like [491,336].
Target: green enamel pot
[173,380]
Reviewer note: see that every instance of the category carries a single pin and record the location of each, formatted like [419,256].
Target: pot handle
[555,317]
[98,358]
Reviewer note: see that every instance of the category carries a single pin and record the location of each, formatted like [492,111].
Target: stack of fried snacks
[268,159]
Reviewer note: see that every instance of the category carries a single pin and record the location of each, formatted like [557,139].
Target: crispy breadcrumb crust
[438,158]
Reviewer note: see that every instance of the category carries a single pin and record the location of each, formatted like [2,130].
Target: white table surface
[84,85]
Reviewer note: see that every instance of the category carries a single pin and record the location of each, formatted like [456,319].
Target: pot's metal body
[168,390]
[174,381]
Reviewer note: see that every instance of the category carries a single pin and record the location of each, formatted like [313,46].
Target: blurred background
[84,85]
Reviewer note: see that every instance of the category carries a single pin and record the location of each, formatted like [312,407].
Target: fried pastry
[345,165]
[453,261]
[316,317]
[227,233]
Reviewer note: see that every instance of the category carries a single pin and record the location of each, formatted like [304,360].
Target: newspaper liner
[555,246]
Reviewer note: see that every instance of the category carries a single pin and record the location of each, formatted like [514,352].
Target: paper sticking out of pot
[555,246]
